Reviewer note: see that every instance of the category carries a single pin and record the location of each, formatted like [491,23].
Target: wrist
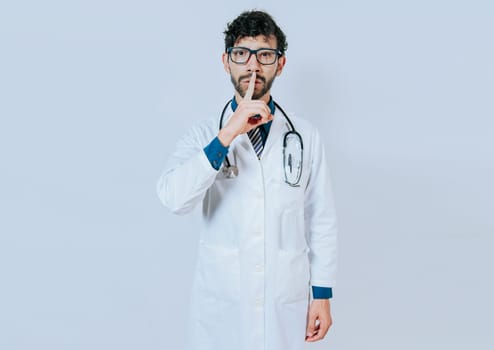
[322,301]
[226,137]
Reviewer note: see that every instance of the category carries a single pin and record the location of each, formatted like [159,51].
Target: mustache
[243,77]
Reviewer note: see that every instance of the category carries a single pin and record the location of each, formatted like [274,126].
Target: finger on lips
[250,88]
[263,115]
[248,97]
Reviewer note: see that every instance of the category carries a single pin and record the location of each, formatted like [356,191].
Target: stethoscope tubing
[286,134]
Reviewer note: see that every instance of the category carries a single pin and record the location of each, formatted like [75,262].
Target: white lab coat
[263,242]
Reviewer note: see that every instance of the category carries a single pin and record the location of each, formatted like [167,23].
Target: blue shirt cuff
[216,153]
[322,292]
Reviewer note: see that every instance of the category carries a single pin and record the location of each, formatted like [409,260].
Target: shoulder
[304,126]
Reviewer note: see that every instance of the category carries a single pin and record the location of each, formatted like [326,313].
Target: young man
[269,223]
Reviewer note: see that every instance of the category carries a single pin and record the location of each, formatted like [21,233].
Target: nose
[253,64]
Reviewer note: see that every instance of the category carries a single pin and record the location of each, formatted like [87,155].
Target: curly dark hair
[254,23]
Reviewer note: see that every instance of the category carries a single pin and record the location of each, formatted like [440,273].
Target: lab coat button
[258,268]
[259,302]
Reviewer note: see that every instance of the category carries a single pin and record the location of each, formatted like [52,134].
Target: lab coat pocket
[292,233]
[293,275]
[219,272]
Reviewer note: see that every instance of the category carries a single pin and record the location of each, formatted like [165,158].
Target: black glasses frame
[276,51]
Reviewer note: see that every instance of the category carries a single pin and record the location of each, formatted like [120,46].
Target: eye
[239,52]
[266,56]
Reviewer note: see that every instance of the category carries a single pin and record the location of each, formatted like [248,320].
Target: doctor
[269,239]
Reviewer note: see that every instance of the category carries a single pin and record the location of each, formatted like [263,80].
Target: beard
[256,95]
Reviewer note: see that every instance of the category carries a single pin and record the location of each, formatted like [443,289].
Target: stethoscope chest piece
[293,150]
[230,172]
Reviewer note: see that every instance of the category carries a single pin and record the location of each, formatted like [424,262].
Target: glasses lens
[266,56]
[239,55]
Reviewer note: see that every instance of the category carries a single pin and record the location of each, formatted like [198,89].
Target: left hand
[319,310]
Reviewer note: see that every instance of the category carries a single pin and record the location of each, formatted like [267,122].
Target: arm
[320,221]
[187,175]
[192,169]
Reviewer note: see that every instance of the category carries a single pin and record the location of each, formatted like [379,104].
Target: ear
[281,64]
[226,65]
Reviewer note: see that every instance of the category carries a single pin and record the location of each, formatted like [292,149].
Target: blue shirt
[216,154]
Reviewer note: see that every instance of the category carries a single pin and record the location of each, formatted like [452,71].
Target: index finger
[250,88]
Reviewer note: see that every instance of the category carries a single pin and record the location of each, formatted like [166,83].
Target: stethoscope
[292,144]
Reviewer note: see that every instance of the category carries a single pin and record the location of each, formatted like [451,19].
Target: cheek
[234,75]
[272,74]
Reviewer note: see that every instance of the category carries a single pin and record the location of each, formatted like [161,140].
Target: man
[269,224]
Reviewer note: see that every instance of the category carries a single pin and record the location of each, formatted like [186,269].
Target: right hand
[239,122]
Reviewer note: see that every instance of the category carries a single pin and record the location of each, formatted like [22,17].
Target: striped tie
[256,139]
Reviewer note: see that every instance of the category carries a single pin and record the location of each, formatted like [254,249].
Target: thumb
[311,324]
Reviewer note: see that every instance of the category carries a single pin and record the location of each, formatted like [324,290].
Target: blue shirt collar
[271,106]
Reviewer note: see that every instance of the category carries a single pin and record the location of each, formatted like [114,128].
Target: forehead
[257,41]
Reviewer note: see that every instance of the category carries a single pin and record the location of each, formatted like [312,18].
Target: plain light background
[95,94]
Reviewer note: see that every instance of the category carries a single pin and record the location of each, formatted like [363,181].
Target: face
[240,73]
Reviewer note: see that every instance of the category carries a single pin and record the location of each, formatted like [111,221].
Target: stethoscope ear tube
[221,126]
[285,115]
[223,114]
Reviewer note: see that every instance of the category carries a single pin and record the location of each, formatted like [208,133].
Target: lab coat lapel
[277,130]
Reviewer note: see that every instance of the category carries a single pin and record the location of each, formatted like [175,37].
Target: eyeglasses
[241,55]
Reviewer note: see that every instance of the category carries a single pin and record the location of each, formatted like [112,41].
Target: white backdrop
[95,94]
